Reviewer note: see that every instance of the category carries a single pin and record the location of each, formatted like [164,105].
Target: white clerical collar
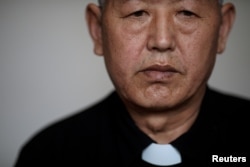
[161,155]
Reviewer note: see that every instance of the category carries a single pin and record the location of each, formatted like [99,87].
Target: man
[159,55]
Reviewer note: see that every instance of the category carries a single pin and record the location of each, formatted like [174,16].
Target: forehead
[202,5]
[121,2]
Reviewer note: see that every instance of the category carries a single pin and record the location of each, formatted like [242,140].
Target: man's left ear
[228,17]
[93,17]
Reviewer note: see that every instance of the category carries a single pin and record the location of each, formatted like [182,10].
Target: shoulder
[228,112]
[226,108]
[227,101]
[71,135]
[88,119]
[227,119]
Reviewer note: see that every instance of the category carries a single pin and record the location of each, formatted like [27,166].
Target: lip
[161,68]
[159,72]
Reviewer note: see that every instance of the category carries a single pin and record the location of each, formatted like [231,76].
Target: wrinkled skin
[160,53]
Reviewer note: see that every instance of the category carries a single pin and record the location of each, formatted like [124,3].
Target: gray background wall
[48,70]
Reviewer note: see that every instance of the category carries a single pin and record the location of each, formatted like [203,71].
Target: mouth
[160,72]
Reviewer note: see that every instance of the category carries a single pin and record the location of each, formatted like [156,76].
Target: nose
[161,34]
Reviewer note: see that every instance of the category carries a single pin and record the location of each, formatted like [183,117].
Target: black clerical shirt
[105,135]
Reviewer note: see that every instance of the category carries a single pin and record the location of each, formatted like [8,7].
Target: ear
[93,17]
[228,17]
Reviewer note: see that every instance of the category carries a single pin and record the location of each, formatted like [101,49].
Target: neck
[166,126]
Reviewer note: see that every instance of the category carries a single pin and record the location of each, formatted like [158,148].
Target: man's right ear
[93,18]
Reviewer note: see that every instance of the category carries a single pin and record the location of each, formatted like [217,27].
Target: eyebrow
[126,1]
[123,2]
[147,0]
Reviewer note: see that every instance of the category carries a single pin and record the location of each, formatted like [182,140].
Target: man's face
[160,53]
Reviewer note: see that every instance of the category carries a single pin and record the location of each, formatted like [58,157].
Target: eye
[187,13]
[138,13]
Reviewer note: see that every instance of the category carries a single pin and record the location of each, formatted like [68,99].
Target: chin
[156,105]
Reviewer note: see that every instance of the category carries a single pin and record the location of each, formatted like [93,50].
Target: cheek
[125,49]
[123,52]
[200,54]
